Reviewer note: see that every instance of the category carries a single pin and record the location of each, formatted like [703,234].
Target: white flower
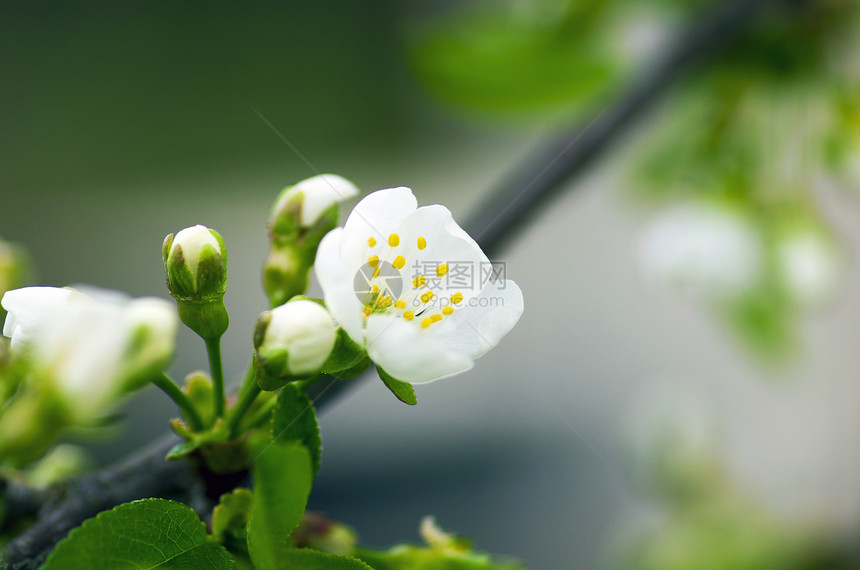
[295,339]
[317,194]
[196,263]
[706,249]
[92,351]
[408,284]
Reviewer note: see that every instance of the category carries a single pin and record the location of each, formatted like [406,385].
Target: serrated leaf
[294,419]
[141,535]
[314,560]
[402,390]
[230,519]
[282,483]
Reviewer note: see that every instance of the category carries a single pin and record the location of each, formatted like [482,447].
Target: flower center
[425,302]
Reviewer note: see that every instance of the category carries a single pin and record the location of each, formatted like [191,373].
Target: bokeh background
[124,122]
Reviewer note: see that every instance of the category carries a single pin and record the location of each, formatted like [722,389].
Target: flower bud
[320,533]
[310,203]
[300,217]
[292,341]
[195,260]
[152,337]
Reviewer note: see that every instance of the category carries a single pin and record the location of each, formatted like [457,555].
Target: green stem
[262,414]
[213,348]
[303,385]
[169,387]
[250,378]
[246,398]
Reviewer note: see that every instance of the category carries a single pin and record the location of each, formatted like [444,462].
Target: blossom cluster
[393,294]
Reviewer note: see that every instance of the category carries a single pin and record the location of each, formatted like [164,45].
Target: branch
[504,212]
[144,474]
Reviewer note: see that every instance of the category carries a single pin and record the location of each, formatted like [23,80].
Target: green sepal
[211,282]
[294,420]
[402,390]
[282,482]
[141,535]
[326,222]
[182,449]
[345,355]
[285,219]
[267,381]
[230,520]
[222,455]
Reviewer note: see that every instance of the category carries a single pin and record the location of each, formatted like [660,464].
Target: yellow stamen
[376,272]
[399,262]
[394,240]
[384,301]
[422,243]
[442,270]
[447,310]
[456,298]
[419,281]
[408,315]
[399,304]
[425,298]
[373,261]
[375,290]
[367,310]
[430,320]
[371,242]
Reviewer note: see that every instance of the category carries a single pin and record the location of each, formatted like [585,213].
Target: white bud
[154,325]
[295,339]
[319,193]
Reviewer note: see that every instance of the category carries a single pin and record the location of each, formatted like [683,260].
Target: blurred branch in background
[517,199]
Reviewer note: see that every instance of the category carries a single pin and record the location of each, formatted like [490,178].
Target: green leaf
[230,519]
[314,560]
[294,419]
[182,449]
[345,355]
[497,62]
[402,390]
[142,535]
[352,372]
[282,483]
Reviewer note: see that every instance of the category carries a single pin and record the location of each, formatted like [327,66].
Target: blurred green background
[122,122]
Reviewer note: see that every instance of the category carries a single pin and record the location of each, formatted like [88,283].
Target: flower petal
[409,354]
[378,215]
[336,279]
[321,192]
[444,243]
[480,325]
[28,306]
